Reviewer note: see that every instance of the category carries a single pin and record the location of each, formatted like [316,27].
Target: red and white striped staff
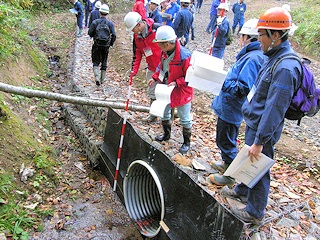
[122,134]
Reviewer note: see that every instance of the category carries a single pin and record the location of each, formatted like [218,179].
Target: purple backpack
[306,99]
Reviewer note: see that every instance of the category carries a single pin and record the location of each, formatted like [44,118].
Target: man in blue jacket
[223,25]
[213,16]
[154,11]
[183,22]
[227,105]
[79,14]
[265,107]
[172,9]
[238,9]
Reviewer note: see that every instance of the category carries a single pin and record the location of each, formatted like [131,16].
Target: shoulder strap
[287,56]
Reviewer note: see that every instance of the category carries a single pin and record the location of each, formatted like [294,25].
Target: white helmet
[104,9]
[97,5]
[131,20]
[224,6]
[164,34]
[184,1]
[286,7]
[250,27]
[157,2]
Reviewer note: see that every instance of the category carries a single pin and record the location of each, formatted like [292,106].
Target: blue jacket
[78,6]
[214,6]
[239,80]
[223,30]
[239,10]
[173,11]
[182,23]
[95,14]
[156,16]
[265,112]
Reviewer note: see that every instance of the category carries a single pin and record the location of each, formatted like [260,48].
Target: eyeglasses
[261,34]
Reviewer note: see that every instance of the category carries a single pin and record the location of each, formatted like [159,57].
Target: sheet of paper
[73,11]
[162,102]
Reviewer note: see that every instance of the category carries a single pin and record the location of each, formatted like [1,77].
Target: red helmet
[275,18]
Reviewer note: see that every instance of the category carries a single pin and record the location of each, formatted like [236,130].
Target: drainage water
[143,197]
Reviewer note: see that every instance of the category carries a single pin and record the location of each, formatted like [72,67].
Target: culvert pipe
[143,197]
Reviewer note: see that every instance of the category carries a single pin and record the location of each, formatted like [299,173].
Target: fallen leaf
[293,195]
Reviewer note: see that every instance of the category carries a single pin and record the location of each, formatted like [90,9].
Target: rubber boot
[103,76]
[186,140]
[192,34]
[239,31]
[166,125]
[80,32]
[96,72]
[233,30]
[151,118]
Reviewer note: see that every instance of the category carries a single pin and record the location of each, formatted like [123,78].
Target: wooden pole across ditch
[30,93]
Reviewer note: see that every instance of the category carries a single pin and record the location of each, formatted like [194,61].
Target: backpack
[229,39]
[306,99]
[102,36]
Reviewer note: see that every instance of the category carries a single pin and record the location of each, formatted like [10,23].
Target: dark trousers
[258,195]
[87,12]
[99,55]
[226,139]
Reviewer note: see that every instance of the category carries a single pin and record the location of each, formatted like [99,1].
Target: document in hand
[162,102]
[73,11]
[247,172]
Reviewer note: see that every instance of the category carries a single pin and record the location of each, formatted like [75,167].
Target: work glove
[219,20]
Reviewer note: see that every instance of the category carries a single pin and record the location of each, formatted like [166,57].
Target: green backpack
[229,40]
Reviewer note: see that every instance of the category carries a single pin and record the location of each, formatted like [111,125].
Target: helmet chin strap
[274,40]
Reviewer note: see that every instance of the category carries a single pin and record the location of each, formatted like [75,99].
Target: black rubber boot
[167,131]
[233,30]
[186,141]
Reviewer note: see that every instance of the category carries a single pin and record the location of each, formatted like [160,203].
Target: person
[238,9]
[154,11]
[95,14]
[183,22]
[143,45]
[192,9]
[220,41]
[199,4]
[213,16]
[79,14]
[100,50]
[227,105]
[87,11]
[172,69]
[171,9]
[265,107]
[293,27]
[139,7]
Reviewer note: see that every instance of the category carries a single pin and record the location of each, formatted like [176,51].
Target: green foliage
[15,219]
[308,33]
[43,159]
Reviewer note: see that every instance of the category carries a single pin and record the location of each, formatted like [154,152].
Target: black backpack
[103,35]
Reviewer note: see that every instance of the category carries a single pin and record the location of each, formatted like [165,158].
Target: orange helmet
[275,18]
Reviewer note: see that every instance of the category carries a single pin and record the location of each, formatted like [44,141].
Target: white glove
[219,20]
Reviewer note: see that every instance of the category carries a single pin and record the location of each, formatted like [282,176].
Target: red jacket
[178,66]
[141,44]
[139,7]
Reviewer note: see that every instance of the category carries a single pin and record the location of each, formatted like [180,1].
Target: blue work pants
[258,195]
